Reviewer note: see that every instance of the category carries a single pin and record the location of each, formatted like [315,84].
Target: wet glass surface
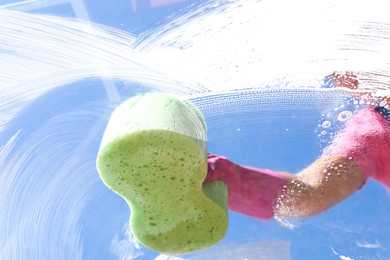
[255,69]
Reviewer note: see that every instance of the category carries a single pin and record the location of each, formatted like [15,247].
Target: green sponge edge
[160,174]
[170,210]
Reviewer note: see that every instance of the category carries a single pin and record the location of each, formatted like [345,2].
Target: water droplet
[326,124]
[343,146]
[327,150]
[344,115]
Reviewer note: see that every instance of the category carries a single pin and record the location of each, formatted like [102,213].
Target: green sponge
[153,154]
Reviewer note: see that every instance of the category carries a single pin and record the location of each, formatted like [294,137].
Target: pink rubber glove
[366,140]
[251,191]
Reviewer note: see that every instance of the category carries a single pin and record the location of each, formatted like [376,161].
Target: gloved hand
[251,191]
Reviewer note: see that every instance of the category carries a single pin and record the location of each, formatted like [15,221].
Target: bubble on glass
[327,150]
[344,115]
[326,124]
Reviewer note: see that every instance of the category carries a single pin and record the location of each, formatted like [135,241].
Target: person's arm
[360,151]
[322,185]
[251,191]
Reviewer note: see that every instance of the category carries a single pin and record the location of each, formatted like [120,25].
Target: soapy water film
[255,69]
